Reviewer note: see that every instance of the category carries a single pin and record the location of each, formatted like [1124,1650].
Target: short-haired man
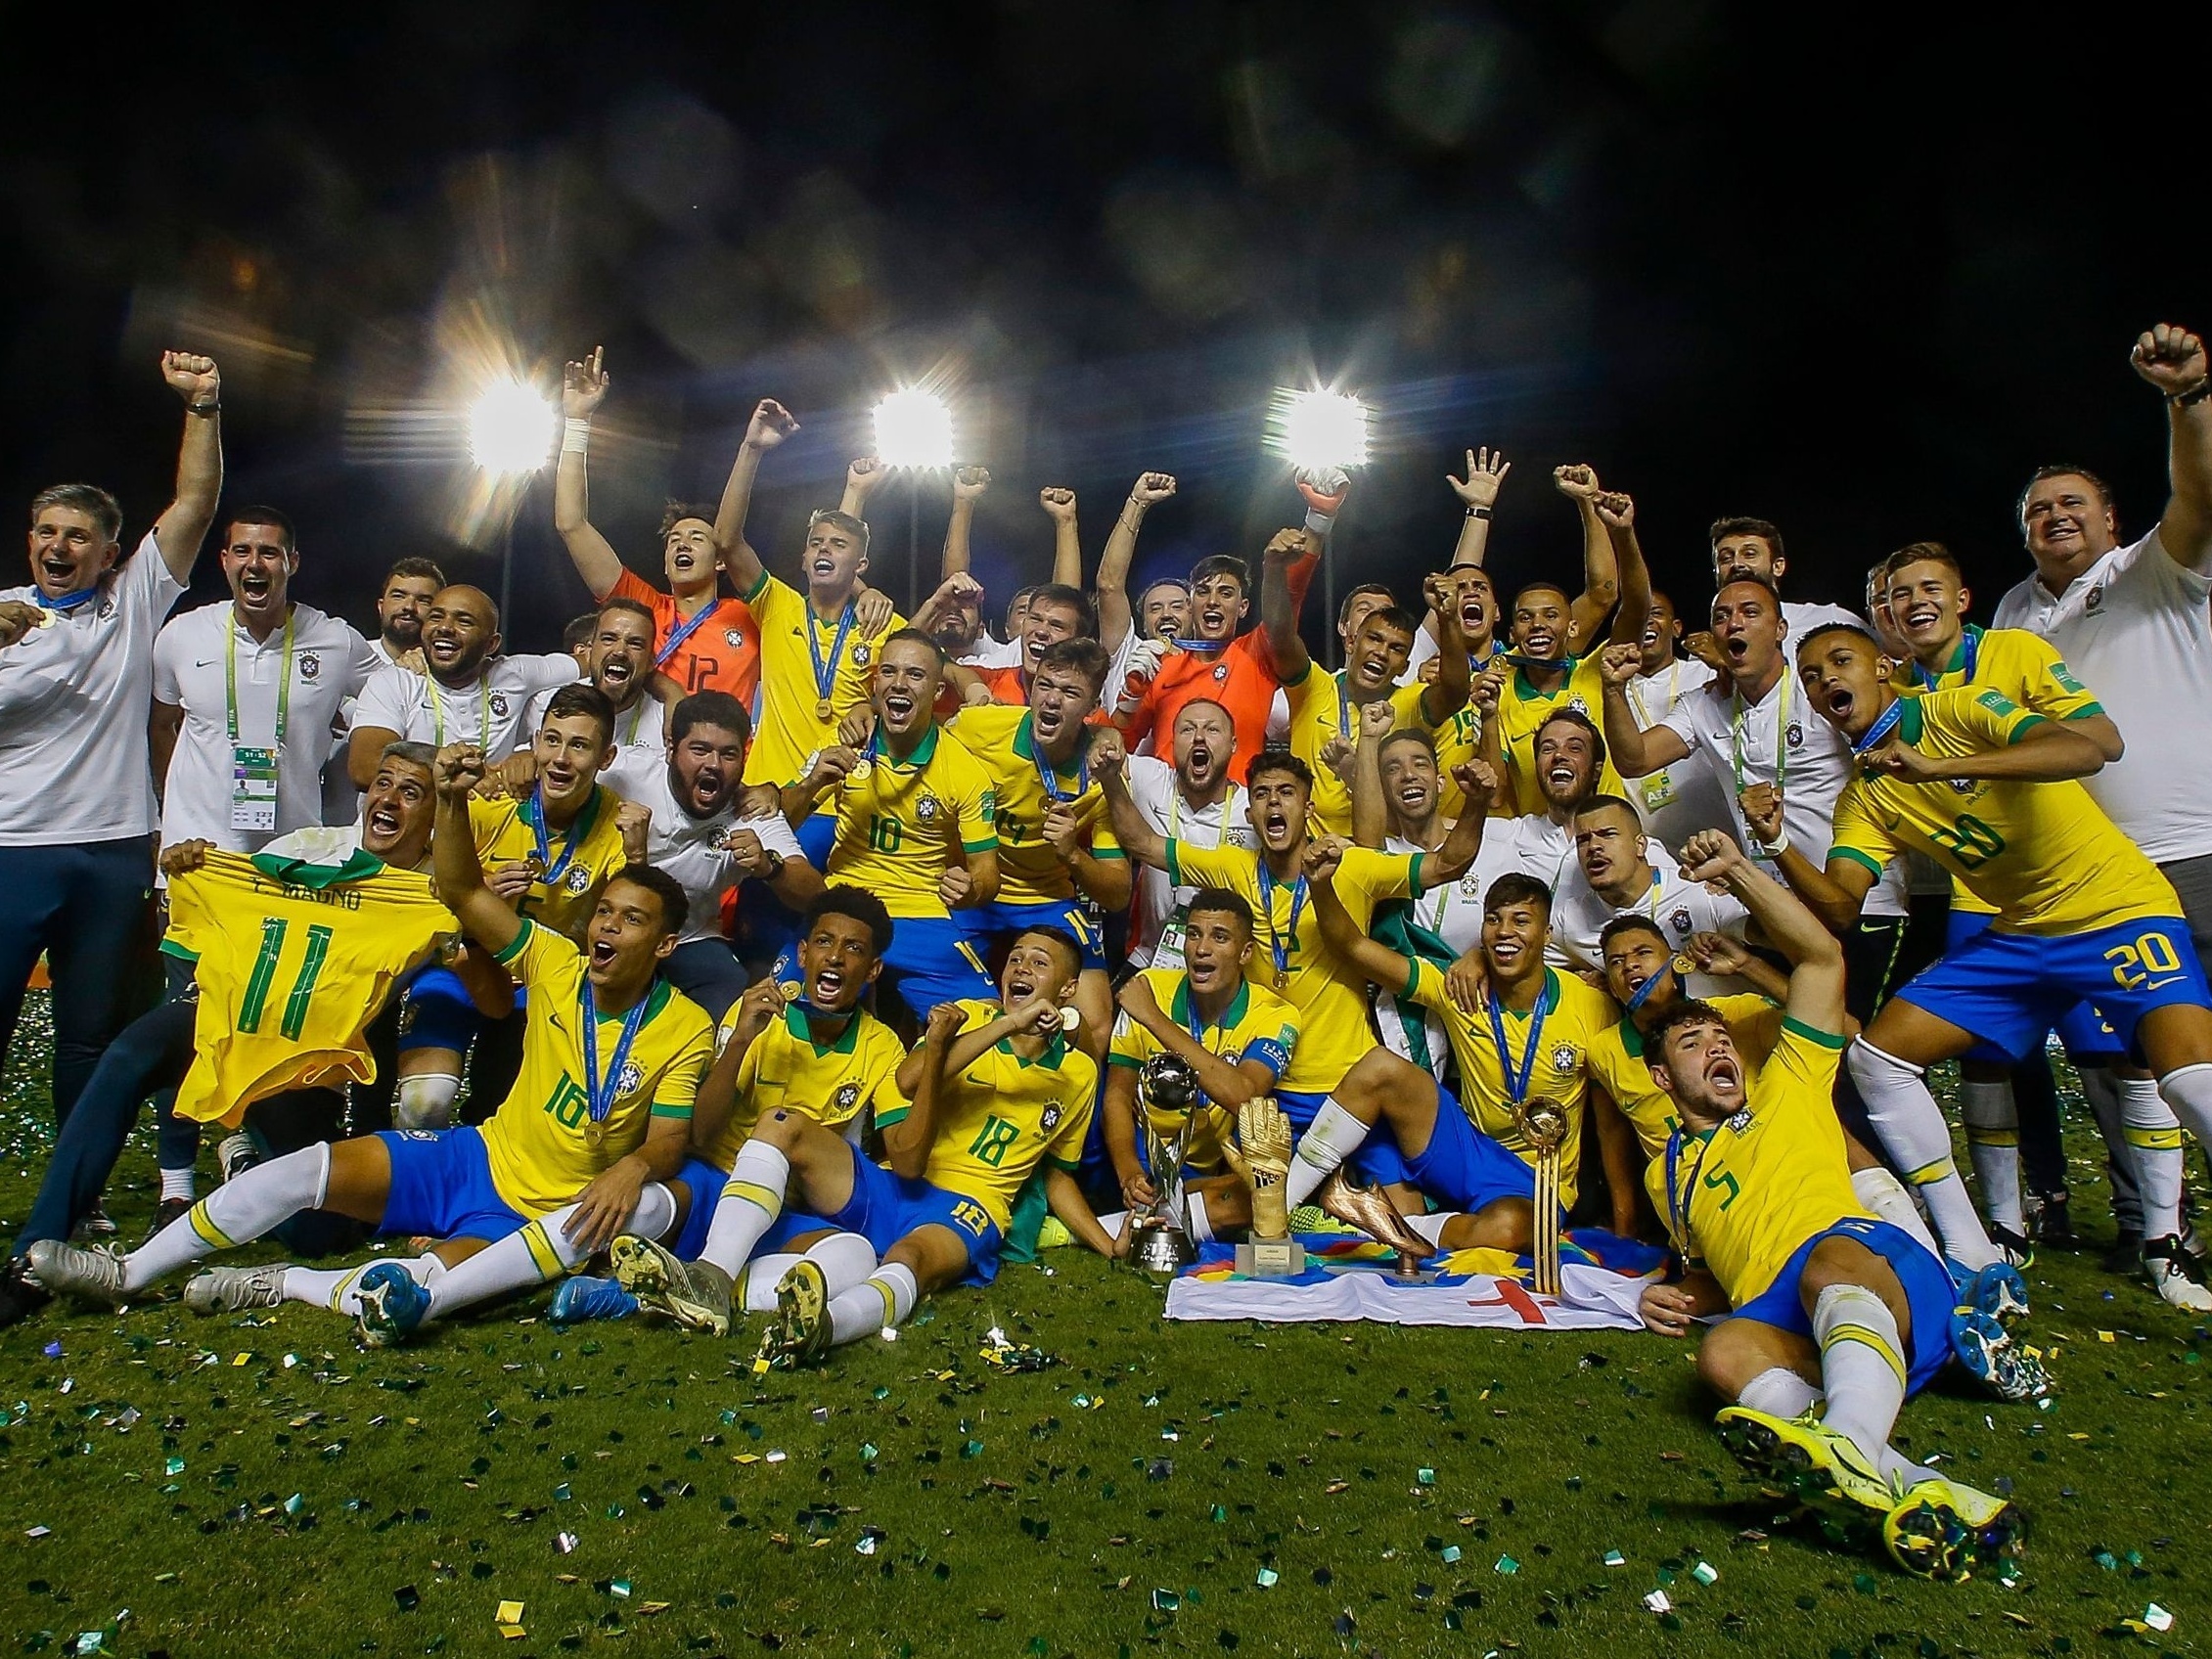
[1188,797]
[1751,548]
[408,588]
[1618,871]
[618,664]
[76,674]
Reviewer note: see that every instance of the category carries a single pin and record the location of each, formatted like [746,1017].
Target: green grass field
[259,1486]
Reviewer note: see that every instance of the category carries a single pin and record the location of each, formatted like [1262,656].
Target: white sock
[339,1288]
[755,1288]
[1911,1125]
[885,1299]
[178,1184]
[1432,1225]
[425,1101]
[234,1213]
[1863,1372]
[1779,1393]
[2154,1134]
[2101,1087]
[1992,1144]
[2188,1089]
[538,1252]
[1885,1196]
[751,1200]
[1197,1218]
[1334,1136]
[845,1259]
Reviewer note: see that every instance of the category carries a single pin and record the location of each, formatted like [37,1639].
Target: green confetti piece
[971,1448]
[174,1467]
[867,1452]
[1426,1477]
[1705,1572]
[1450,1553]
[1220,1513]
[1506,1565]
[1615,1558]
[1268,1577]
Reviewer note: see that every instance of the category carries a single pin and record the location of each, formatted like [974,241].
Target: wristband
[1319,523]
[1478,512]
[575,436]
[1779,845]
[2195,395]
[206,411]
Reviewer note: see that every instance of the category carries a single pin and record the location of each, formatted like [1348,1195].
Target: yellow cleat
[1947,1530]
[1806,1458]
[693,1295]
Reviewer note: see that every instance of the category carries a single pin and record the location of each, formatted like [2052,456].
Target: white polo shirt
[489,711]
[1681,909]
[74,702]
[328,664]
[686,847]
[1676,801]
[1801,616]
[2136,630]
[341,797]
[1227,822]
[1779,740]
[638,729]
[989,652]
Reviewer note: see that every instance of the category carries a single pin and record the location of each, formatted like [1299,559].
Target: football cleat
[93,1275]
[583,1298]
[233,1290]
[800,1333]
[695,1295]
[2176,1275]
[1986,1349]
[235,1153]
[167,1211]
[21,1296]
[1806,1458]
[94,1223]
[392,1305]
[1996,1290]
[2018,1251]
[1949,1531]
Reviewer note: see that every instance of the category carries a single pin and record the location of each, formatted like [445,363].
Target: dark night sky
[1855,277]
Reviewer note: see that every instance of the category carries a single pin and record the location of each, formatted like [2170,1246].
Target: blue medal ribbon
[1643,992]
[825,673]
[554,868]
[1516,1073]
[68,601]
[1279,944]
[677,636]
[600,1092]
[1969,645]
[1879,733]
[1540,664]
[1050,779]
[1678,1199]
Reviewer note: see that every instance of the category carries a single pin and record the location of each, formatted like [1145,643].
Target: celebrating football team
[767,958]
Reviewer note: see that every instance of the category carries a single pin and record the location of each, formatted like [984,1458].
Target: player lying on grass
[1837,1316]
[823,1055]
[997,1089]
[598,1119]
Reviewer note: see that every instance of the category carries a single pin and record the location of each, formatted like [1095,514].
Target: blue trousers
[86,908]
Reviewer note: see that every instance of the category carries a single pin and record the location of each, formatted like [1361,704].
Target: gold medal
[535,866]
[821,710]
[1281,979]
[595,1133]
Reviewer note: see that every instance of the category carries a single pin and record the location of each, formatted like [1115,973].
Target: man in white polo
[76,676]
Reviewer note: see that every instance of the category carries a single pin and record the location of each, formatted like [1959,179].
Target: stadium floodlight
[914,430]
[1319,431]
[511,427]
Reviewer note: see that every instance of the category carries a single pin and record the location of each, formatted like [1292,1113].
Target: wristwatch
[774,865]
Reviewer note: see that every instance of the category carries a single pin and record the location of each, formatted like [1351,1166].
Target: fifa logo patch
[311,666]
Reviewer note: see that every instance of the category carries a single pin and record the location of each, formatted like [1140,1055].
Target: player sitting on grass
[598,1119]
[1837,1315]
[996,1086]
[823,1055]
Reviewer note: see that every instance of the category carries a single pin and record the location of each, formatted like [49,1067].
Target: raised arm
[1375,963]
[1481,781]
[968,486]
[1058,503]
[864,476]
[1278,606]
[1370,812]
[770,426]
[1634,752]
[1110,766]
[458,872]
[1486,470]
[921,1080]
[583,387]
[1114,613]
[1600,577]
[1447,694]
[757,1010]
[1837,893]
[1816,955]
[1619,513]
[2173,359]
[182,524]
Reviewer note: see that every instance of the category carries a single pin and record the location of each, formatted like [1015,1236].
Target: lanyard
[551,871]
[1971,645]
[1050,778]
[1642,993]
[637,719]
[1781,736]
[600,1092]
[825,673]
[1517,1072]
[68,601]
[1175,811]
[1678,1200]
[230,681]
[1674,696]
[438,711]
[1279,945]
[1879,733]
[677,636]
[1541,664]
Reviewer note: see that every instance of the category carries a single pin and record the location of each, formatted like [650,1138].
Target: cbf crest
[311,666]
[631,1079]
[928,808]
[577,880]
[1680,921]
[847,1097]
[1565,1058]
[1796,733]
[499,704]
[1049,1119]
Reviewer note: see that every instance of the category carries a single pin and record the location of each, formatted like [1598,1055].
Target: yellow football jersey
[789,731]
[1559,1070]
[542,1145]
[833,1085]
[1521,710]
[1746,1193]
[1457,741]
[902,824]
[1328,991]
[2044,855]
[2025,667]
[1617,1065]
[1258,1026]
[999,737]
[1321,711]
[1003,1113]
[293,960]
[505,833]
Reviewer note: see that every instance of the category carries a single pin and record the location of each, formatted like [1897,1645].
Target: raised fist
[1057,501]
[969,483]
[2170,358]
[1578,481]
[770,426]
[192,376]
[1151,488]
[583,385]
[1617,509]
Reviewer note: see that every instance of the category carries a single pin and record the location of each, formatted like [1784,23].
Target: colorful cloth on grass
[1602,1280]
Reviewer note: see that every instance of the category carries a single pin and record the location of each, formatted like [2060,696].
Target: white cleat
[2173,1275]
[235,1290]
[71,1269]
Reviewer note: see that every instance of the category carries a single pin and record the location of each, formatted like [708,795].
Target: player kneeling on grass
[1837,1315]
[599,1118]
[997,1088]
[822,1056]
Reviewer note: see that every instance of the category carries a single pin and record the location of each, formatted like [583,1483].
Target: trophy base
[1161,1250]
[1271,1258]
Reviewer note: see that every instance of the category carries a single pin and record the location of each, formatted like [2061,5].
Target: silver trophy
[1167,1100]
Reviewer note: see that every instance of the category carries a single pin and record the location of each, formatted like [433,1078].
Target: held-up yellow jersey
[1321,711]
[1574,1017]
[2021,665]
[1003,1113]
[1746,1193]
[1521,710]
[1616,1063]
[1328,991]
[505,833]
[902,824]
[1258,1026]
[294,962]
[787,734]
[542,1145]
[2044,855]
[833,1084]
[999,737]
